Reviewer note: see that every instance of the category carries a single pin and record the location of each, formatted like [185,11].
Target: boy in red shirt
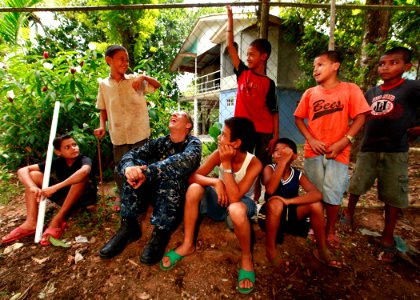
[329,107]
[256,97]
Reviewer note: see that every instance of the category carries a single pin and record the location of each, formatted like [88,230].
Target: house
[204,54]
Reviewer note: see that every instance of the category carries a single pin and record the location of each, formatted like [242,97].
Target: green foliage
[37,82]
[9,186]
[129,28]
[32,83]
[11,23]
[309,28]
[70,35]
[214,132]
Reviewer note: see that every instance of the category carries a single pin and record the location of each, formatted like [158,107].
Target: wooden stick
[100,173]
[47,171]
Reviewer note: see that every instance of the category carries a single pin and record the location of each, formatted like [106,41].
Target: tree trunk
[377,24]
[264,15]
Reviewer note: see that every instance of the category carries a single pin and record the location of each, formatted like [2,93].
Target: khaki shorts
[391,170]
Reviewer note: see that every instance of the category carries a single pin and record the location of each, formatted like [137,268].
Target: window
[230,101]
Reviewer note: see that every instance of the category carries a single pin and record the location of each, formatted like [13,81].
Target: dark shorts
[289,222]
[391,171]
[89,196]
[210,207]
[259,147]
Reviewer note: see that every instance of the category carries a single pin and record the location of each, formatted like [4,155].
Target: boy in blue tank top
[286,210]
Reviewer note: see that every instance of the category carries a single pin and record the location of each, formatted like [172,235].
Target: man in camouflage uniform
[157,174]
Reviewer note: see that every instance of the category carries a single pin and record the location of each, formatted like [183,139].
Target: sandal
[174,258]
[56,233]
[325,258]
[243,275]
[387,254]
[16,234]
[116,205]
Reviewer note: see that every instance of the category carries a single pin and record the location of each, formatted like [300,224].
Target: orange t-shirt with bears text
[329,113]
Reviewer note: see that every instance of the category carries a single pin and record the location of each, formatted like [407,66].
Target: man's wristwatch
[350,138]
[228,171]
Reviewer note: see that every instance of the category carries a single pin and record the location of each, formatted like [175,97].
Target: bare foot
[325,257]
[333,241]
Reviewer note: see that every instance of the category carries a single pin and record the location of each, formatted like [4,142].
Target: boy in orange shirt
[329,107]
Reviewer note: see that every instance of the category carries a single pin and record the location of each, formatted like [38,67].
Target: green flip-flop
[244,274]
[174,258]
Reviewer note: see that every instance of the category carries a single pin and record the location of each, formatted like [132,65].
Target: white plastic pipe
[47,171]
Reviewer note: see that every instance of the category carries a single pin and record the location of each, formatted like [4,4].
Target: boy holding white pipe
[72,185]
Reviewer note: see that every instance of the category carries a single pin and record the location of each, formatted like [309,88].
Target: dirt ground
[36,272]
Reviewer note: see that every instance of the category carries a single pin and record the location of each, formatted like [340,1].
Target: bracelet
[350,138]
[228,171]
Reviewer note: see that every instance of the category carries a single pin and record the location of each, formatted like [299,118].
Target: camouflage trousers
[167,198]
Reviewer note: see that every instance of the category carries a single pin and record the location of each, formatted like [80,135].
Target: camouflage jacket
[164,159]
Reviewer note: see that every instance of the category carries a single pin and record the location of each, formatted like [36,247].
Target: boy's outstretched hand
[137,83]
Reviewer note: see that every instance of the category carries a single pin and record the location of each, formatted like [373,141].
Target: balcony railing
[208,82]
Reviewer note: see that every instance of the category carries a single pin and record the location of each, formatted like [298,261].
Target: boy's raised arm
[272,178]
[229,39]
[138,82]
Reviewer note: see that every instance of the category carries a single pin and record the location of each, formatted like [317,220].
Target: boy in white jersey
[230,193]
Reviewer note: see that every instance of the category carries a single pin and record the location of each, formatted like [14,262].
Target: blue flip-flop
[244,274]
[174,258]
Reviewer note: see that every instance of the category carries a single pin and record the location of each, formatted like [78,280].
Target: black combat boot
[155,248]
[129,232]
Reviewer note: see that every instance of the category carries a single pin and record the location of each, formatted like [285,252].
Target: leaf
[58,243]
[214,132]
[40,261]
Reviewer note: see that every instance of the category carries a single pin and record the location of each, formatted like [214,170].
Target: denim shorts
[391,170]
[210,208]
[329,176]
